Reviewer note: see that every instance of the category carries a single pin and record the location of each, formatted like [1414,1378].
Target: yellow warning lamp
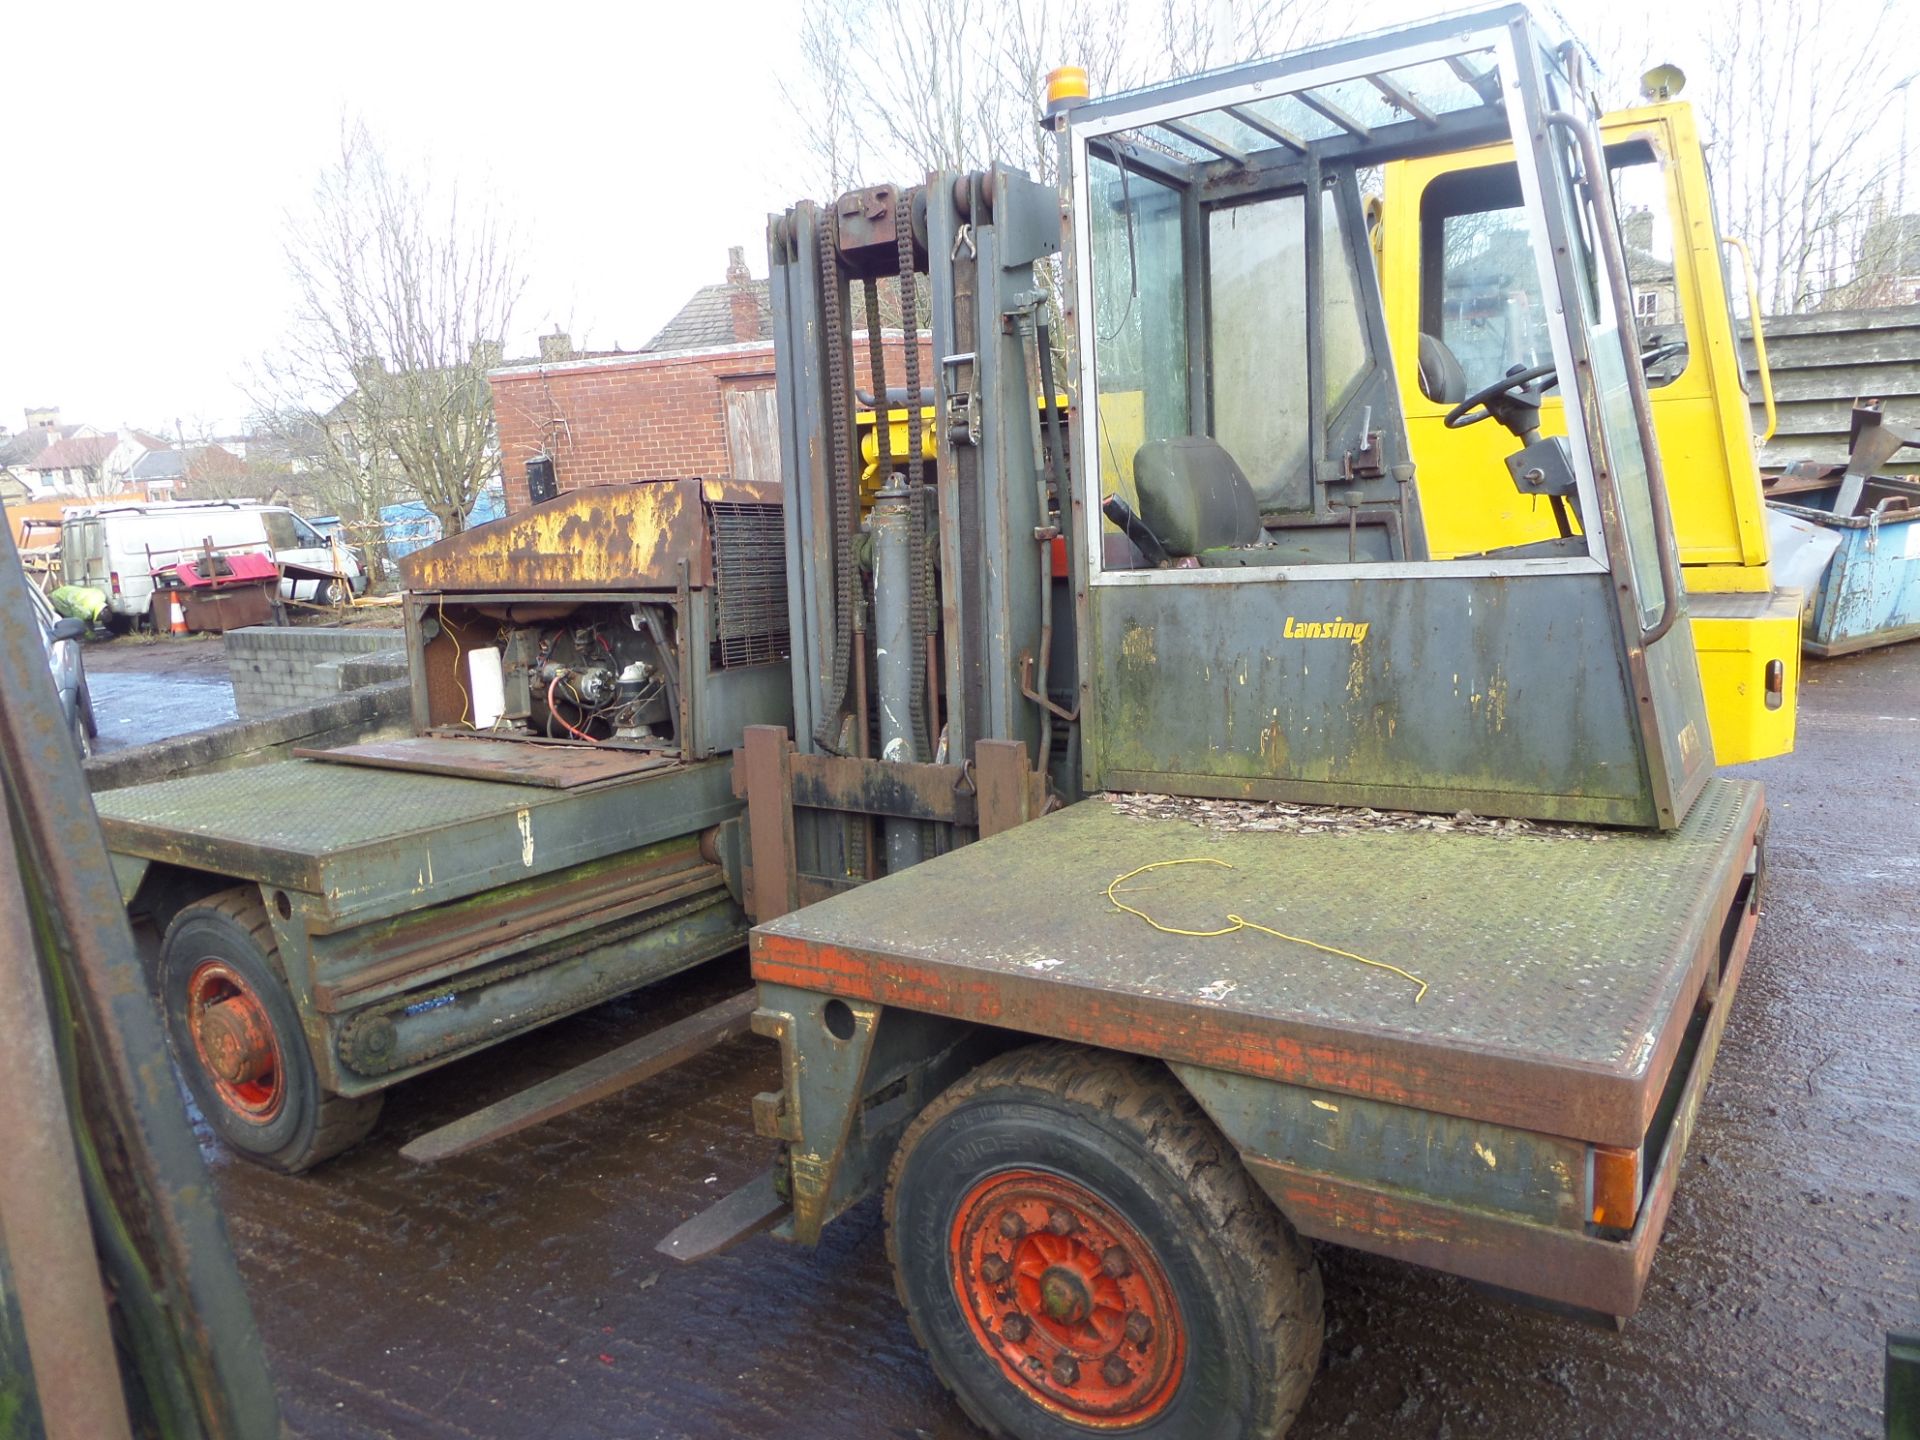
[1663,82]
[1066,88]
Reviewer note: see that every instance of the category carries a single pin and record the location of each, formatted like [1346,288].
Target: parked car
[119,548]
[61,637]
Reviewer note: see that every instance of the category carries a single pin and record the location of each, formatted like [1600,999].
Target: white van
[118,548]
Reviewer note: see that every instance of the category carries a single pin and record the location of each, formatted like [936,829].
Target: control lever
[1135,529]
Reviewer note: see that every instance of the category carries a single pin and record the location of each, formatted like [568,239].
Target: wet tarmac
[514,1291]
[148,689]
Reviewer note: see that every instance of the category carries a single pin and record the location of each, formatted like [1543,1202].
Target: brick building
[697,399]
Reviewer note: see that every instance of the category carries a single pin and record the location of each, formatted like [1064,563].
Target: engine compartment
[599,672]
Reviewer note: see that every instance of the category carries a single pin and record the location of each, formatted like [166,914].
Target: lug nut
[1066,1370]
[1115,1262]
[1015,1328]
[1115,1372]
[1139,1329]
[1012,1226]
[994,1269]
[1060,1221]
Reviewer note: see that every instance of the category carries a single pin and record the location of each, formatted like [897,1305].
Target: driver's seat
[1443,379]
[1195,498]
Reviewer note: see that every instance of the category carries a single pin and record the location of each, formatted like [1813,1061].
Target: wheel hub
[1067,1298]
[234,1040]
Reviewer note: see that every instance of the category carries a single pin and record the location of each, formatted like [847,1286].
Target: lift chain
[846,485]
[877,378]
[920,588]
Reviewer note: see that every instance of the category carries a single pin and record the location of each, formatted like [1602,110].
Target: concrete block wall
[275,666]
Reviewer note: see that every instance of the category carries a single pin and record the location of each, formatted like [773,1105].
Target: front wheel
[1079,1249]
[235,1034]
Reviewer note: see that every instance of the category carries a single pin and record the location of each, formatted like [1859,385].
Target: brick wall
[640,417]
[275,666]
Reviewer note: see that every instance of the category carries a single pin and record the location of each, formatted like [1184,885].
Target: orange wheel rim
[234,1041]
[1067,1299]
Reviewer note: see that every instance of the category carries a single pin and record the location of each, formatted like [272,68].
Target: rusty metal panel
[1561,966]
[772,883]
[605,537]
[518,762]
[882,787]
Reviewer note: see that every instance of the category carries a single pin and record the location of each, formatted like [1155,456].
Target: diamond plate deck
[369,843]
[516,762]
[1562,967]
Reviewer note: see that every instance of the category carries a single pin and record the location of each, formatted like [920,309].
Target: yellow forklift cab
[1463,309]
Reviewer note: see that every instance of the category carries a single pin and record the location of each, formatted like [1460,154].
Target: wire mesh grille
[750,584]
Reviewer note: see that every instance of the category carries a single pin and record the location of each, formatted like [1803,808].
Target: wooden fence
[1821,363]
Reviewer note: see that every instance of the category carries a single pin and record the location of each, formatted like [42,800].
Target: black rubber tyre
[333,592]
[1243,1290]
[88,721]
[291,1123]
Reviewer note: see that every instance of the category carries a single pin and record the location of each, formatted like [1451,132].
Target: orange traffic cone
[177,618]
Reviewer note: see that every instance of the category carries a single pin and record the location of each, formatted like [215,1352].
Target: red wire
[552,685]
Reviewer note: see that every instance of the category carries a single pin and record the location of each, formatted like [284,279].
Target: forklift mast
[928,679]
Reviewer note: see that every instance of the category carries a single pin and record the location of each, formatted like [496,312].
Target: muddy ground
[515,1291]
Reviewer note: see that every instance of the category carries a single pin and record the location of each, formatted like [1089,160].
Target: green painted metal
[1556,962]
[853,1075]
[1505,696]
[1518,1174]
[366,844]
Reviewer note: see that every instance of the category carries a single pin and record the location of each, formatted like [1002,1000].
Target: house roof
[706,320]
[203,460]
[75,454]
[159,465]
[23,445]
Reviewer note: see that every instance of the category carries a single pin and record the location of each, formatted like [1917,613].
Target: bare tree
[1793,107]
[405,301]
[908,86]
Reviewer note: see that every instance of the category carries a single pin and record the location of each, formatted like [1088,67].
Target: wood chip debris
[1279,816]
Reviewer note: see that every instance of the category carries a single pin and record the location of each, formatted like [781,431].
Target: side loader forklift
[1160,877]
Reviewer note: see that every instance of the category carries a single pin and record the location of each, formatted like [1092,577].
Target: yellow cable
[1235,923]
[459,685]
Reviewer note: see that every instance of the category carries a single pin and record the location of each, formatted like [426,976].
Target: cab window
[1480,291]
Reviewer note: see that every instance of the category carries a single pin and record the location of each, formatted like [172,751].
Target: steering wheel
[1661,351]
[1463,414]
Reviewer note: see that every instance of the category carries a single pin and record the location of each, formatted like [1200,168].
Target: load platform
[1562,965]
[367,842]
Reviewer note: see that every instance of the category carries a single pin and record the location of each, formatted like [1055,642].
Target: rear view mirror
[69,628]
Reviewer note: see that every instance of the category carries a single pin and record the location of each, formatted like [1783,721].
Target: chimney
[556,347]
[1637,228]
[741,299]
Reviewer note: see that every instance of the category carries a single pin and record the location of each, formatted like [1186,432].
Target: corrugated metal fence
[1821,363]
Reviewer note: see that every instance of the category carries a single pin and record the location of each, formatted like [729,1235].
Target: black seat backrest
[1442,380]
[1194,496]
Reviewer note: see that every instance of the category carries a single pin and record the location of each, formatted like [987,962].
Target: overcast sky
[154,151]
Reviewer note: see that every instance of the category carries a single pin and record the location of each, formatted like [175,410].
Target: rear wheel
[1079,1249]
[236,1036]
